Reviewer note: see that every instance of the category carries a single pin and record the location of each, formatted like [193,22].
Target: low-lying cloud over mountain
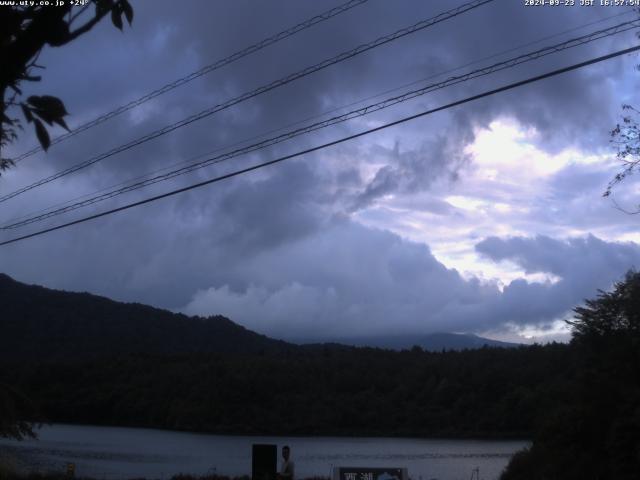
[374,282]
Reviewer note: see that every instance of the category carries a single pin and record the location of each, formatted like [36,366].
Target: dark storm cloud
[322,288]
[582,266]
[563,108]
[414,170]
[577,191]
[407,289]
[167,42]
[276,245]
[166,251]
[572,259]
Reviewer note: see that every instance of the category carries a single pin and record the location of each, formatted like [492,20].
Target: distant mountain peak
[437,341]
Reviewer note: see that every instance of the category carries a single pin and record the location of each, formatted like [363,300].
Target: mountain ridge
[58,324]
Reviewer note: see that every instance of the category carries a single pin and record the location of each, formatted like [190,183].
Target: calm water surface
[116,453]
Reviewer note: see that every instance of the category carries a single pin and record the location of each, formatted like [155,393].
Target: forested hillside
[61,325]
[84,358]
[485,392]
[38,323]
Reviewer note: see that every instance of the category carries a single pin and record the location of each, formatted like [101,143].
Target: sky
[484,218]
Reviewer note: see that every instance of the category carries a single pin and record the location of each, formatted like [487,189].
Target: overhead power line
[316,116]
[153,177]
[203,71]
[148,175]
[366,110]
[265,88]
[329,144]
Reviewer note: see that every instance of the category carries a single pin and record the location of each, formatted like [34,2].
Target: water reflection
[115,453]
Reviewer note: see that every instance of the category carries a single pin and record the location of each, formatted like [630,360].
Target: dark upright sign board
[264,462]
[364,473]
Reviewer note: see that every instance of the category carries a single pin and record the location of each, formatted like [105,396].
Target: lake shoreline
[118,453]
[331,434]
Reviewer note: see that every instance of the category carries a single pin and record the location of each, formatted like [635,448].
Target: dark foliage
[595,432]
[625,137]
[356,391]
[24,31]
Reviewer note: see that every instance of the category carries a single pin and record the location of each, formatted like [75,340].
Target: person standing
[287,471]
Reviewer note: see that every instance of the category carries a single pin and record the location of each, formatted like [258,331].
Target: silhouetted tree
[595,432]
[612,313]
[24,32]
[626,138]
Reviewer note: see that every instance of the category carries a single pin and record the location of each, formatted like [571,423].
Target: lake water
[116,453]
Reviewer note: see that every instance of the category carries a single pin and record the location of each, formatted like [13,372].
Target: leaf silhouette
[116,18]
[43,135]
[52,105]
[62,123]
[128,10]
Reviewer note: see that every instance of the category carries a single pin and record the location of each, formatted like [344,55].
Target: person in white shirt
[287,469]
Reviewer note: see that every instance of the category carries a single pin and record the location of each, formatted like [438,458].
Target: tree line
[490,392]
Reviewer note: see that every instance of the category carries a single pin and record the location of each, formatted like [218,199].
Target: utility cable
[320,115]
[506,64]
[265,88]
[316,116]
[326,145]
[203,71]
